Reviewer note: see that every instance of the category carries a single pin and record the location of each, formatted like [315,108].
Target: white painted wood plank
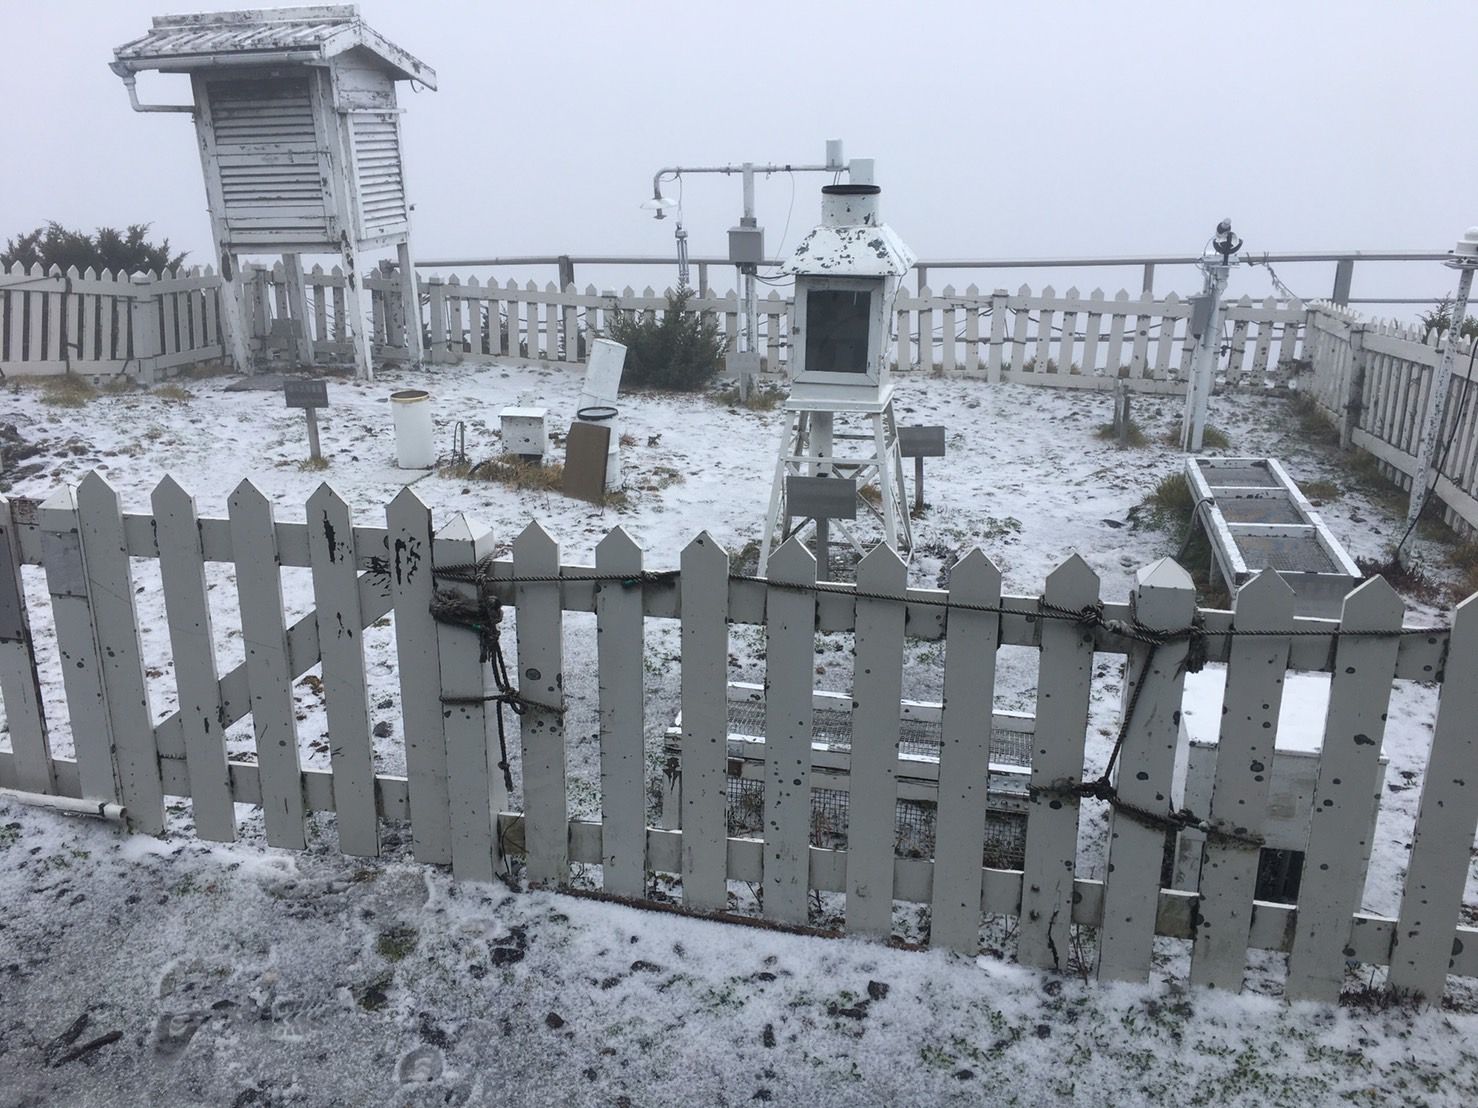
[1239,798]
[995,355]
[1344,802]
[1043,353]
[269,675]
[964,754]
[1446,819]
[192,642]
[408,556]
[1114,358]
[704,589]
[475,785]
[87,702]
[20,687]
[115,626]
[620,650]
[1020,323]
[341,644]
[1063,686]
[1090,333]
[877,692]
[790,645]
[540,623]
[1165,599]
[1068,341]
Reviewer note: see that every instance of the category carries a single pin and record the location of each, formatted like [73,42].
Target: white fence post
[877,686]
[71,608]
[475,787]
[1063,686]
[1442,844]
[1164,599]
[20,688]
[1343,804]
[964,753]
[540,623]
[341,644]
[790,659]
[408,556]
[115,625]
[620,649]
[268,668]
[1244,769]
[704,598]
[192,641]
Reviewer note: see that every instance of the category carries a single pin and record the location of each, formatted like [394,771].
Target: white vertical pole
[1198,392]
[1436,413]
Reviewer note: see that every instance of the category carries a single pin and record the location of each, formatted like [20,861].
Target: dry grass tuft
[207,369]
[313,465]
[175,393]
[1135,438]
[1463,559]
[69,390]
[760,399]
[510,470]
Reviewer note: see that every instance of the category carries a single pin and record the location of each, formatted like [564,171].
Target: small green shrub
[683,350]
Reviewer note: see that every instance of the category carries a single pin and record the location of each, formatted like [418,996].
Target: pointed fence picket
[964,755]
[192,642]
[455,797]
[1154,677]
[1339,829]
[473,786]
[1239,798]
[541,687]
[704,600]
[341,645]
[620,638]
[1063,690]
[790,648]
[269,671]
[20,687]
[877,689]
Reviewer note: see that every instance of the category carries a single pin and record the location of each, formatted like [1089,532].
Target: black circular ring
[597,412]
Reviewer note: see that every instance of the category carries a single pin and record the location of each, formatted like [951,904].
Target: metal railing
[1344,266]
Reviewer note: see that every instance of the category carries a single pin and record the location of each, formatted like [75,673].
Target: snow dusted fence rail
[1374,381]
[144,323]
[454,796]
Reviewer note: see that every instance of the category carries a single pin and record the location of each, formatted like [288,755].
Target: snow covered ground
[245,975]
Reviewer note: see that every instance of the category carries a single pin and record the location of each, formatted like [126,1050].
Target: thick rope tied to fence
[483,614]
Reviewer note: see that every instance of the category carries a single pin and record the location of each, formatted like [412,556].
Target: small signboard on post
[821,499]
[919,443]
[310,394]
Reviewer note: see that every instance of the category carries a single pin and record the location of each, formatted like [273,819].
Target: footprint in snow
[421,1065]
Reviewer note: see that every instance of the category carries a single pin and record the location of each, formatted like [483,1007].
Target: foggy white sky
[1031,129]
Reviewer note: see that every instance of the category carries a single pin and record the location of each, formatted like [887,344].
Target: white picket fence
[103,324]
[454,798]
[53,323]
[1374,381]
[1070,341]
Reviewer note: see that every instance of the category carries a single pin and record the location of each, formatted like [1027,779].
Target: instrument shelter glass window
[837,323]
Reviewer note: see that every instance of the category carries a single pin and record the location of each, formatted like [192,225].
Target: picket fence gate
[1374,379]
[456,803]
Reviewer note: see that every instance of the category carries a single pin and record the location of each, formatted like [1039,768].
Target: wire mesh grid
[914,825]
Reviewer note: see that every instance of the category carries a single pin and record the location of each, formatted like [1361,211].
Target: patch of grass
[1315,426]
[395,943]
[510,470]
[172,392]
[69,390]
[1320,491]
[120,383]
[1463,558]
[1135,437]
[760,399]
[1214,438]
[313,465]
[1168,508]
